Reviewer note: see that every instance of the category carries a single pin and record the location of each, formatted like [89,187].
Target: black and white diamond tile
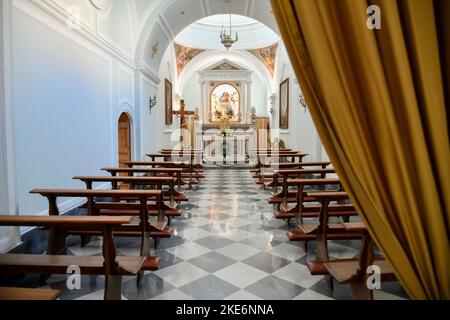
[227,245]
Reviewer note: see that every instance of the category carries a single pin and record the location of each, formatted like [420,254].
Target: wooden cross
[183,115]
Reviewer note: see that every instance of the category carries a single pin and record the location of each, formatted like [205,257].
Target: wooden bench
[190,171]
[26,294]
[171,172]
[193,158]
[323,230]
[300,211]
[267,171]
[110,265]
[264,158]
[284,196]
[144,229]
[354,272]
[171,194]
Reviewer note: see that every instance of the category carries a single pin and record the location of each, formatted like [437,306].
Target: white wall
[62,110]
[259,97]
[67,93]
[165,133]
[8,236]
[149,122]
[301,134]
[190,92]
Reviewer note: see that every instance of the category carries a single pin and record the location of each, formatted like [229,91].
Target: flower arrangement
[224,124]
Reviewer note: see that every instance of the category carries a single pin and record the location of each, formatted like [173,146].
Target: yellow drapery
[378,99]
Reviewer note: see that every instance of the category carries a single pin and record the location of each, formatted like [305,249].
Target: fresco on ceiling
[184,55]
[267,56]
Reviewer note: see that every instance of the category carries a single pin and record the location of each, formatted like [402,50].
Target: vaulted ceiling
[161,26]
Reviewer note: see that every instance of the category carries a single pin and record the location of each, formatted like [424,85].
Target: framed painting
[284,104]
[168,101]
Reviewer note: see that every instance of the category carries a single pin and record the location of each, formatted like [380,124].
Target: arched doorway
[124,137]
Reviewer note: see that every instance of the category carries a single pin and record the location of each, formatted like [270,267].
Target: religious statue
[225,102]
[225,106]
[253,114]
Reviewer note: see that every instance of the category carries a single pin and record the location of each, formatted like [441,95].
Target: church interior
[224,150]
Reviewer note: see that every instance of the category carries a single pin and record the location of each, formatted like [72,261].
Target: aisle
[227,246]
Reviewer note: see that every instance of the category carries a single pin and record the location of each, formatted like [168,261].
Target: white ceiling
[163,21]
[204,33]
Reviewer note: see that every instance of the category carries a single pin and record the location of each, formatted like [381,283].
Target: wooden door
[124,140]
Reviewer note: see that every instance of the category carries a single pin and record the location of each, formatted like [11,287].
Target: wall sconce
[302,101]
[273,100]
[152,103]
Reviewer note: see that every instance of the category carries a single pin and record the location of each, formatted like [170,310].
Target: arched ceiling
[167,18]
[241,58]
[204,34]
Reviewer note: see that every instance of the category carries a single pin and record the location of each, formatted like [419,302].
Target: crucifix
[183,115]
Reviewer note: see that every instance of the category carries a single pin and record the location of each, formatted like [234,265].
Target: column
[249,101]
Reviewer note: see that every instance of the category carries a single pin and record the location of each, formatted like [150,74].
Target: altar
[226,94]
[232,148]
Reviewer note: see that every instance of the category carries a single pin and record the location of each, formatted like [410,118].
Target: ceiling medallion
[101,4]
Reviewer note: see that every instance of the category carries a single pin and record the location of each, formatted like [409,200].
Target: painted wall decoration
[284,104]
[267,56]
[225,100]
[168,101]
[184,55]
[155,49]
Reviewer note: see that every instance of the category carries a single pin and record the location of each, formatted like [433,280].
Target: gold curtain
[378,99]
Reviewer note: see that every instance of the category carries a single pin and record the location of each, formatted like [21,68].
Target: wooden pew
[323,230]
[193,158]
[299,211]
[110,265]
[144,229]
[170,210]
[171,172]
[354,272]
[171,194]
[262,158]
[190,171]
[265,175]
[25,294]
[285,196]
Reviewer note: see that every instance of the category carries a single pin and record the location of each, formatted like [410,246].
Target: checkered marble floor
[226,246]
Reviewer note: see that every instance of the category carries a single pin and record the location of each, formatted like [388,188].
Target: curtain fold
[379,100]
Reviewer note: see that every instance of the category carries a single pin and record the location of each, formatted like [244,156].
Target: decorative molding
[101,5]
[120,98]
[165,27]
[57,12]
[248,5]
[203,8]
[61,15]
[207,8]
[149,73]
[251,8]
